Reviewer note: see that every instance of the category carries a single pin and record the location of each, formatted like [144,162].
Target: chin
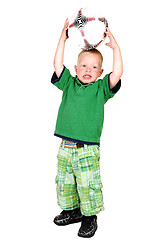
[87,81]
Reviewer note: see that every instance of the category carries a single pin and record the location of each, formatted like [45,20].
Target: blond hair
[93,51]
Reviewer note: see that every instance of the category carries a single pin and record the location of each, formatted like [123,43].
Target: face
[88,67]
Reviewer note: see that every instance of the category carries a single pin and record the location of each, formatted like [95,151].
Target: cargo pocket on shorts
[59,188]
[56,179]
[57,185]
[61,199]
[95,192]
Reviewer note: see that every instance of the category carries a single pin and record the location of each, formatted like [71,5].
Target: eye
[83,65]
[94,67]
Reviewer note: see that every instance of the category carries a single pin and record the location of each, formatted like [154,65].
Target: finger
[66,22]
[106,33]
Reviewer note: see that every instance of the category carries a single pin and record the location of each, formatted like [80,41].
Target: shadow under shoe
[88,226]
[68,217]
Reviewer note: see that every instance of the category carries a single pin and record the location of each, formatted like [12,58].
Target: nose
[88,69]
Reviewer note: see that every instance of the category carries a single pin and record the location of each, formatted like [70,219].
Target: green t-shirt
[81,113]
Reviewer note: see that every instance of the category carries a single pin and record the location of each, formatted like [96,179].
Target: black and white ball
[87,28]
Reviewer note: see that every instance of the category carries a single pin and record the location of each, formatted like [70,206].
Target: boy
[79,124]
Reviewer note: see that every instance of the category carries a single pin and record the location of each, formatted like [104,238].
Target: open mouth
[87,76]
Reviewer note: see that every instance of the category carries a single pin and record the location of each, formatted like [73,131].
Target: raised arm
[117,59]
[59,54]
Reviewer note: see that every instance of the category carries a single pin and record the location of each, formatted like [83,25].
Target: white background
[29,104]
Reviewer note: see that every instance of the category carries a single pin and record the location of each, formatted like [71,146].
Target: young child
[79,124]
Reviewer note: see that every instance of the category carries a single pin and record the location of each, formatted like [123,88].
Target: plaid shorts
[78,179]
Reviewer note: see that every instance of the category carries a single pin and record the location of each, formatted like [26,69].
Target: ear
[75,67]
[101,71]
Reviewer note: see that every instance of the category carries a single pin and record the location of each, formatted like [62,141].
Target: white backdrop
[29,103]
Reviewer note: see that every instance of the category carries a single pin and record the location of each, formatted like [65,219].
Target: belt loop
[63,144]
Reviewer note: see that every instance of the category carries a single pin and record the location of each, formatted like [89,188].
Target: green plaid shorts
[78,179]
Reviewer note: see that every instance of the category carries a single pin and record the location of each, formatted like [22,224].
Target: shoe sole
[85,236]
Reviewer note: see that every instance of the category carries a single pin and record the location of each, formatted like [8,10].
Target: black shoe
[68,217]
[88,226]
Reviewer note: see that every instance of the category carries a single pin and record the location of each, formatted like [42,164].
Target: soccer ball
[87,28]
